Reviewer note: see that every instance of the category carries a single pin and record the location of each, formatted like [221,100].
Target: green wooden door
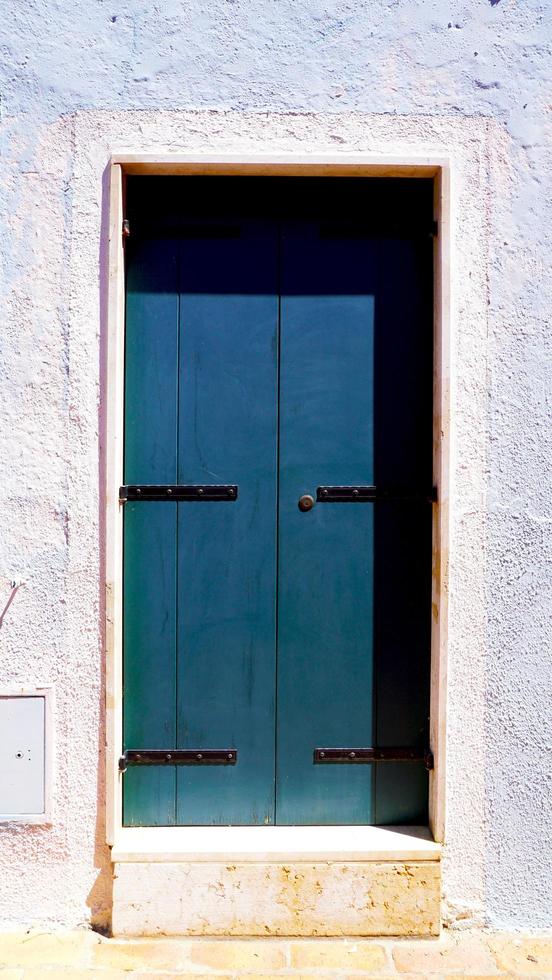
[274,348]
[199,578]
[354,578]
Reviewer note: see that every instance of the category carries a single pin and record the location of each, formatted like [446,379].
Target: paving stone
[152,954]
[236,954]
[467,954]
[337,954]
[84,955]
[528,955]
[155,975]
[282,976]
[43,949]
[67,973]
[381,976]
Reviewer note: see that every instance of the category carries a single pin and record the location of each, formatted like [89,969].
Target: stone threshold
[265,844]
[276,881]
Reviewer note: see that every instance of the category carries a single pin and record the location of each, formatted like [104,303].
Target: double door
[277,523]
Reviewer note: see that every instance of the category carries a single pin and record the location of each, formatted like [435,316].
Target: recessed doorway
[277,578]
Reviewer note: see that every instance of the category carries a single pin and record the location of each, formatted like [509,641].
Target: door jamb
[351,165]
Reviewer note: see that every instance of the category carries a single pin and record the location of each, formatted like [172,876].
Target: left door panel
[199,577]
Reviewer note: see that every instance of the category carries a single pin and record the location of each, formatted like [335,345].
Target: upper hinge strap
[371,494]
[178,757]
[367,755]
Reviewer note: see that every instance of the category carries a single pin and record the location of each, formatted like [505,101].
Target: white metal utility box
[25,752]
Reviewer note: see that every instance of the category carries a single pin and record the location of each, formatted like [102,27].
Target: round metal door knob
[306,502]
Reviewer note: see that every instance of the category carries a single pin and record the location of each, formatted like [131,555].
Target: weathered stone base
[259,899]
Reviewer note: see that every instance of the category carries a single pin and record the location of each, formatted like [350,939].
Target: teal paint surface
[227,552]
[149,604]
[279,355]
[200,581]
[325,628]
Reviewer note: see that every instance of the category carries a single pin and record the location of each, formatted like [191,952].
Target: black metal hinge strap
[178,757]
[382,227]
[372,494]
[178,491]
[364,756]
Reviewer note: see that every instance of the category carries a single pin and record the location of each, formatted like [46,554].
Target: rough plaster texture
[470,79]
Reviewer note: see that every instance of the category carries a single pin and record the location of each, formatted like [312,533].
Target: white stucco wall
[81,80]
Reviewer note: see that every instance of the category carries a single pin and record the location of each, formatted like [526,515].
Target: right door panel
[354,579]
